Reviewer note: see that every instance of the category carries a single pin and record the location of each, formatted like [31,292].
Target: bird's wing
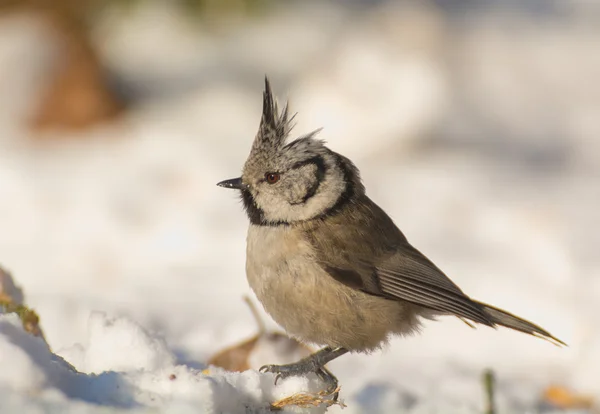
[363,249]
[410,276]
[374,256]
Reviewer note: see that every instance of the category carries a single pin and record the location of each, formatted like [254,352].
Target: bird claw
[314,363]
[285,371]
[268,368]
[279,370]
[278,377]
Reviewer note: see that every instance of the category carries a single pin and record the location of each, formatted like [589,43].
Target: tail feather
[508,320]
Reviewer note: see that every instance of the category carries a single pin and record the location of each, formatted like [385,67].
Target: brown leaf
[11,299]
[306,400]
[562,397]
[235,358]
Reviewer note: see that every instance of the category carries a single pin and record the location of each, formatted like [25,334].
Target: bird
[327,263]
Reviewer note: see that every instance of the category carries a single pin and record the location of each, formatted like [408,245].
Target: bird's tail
[503,318]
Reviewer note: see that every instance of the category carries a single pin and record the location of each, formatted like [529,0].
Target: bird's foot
[289,370]
[301,368]
[312,364]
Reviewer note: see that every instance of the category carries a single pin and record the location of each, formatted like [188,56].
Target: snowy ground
[481,142]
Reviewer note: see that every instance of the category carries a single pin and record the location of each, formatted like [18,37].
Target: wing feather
[361,247]
[432,296]
[382,262]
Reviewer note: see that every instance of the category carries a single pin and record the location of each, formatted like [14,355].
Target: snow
[479,141]
[125,367]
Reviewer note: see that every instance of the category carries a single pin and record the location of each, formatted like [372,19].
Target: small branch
[259,322]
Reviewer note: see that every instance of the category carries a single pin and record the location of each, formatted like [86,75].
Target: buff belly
[311,305]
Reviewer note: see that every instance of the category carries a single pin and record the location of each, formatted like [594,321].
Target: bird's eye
[272,178]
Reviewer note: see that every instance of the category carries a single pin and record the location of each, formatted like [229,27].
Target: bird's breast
[271,253]
[310,304]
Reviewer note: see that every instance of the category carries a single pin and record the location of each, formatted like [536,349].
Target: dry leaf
[248,353]
[306,400]
[79,95]
[562,397]
[9,291]
[239,357]
[11,299]
[235,358]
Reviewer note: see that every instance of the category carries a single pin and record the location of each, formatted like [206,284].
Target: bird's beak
[235,183]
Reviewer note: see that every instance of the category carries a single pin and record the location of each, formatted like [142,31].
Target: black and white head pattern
[286,183]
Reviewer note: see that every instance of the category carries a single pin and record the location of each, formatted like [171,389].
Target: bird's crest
[274,126]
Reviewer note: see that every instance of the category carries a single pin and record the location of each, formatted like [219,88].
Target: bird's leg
[312,363]
[332,382]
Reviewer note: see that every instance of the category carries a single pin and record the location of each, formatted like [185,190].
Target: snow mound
[124,367]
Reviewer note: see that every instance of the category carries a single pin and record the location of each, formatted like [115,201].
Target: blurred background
[475,124]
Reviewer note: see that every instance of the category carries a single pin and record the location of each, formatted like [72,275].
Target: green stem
[489,384]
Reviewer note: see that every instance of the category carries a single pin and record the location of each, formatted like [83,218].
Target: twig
[259,322]
[489,384]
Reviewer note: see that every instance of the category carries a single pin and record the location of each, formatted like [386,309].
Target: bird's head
[287,182]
